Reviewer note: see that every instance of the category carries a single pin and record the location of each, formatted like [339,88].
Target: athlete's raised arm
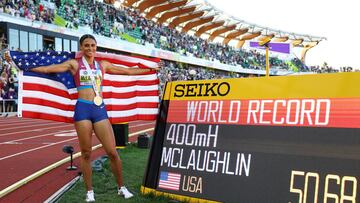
[122,70]
[58,68]
[54,68]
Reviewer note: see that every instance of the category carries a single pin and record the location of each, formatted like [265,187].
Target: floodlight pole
[267,59]
[265,42]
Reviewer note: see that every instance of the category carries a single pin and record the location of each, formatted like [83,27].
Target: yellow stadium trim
[145,190]
[166,94]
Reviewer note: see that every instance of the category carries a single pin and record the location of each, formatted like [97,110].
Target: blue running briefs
[87,110]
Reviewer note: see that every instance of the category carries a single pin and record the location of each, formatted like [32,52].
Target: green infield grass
[134,162]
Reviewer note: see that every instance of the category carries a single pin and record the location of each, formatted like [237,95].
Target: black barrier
[267,148]
[291,161]
[152,168]
[121,133]
[143,141]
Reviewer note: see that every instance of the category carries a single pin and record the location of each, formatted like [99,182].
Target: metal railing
[8,107]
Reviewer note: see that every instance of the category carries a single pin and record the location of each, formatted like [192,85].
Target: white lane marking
[22,122]
[51,123]
[27,126]
[34,149]
[63,133]
[69,134]
[142,124]
[52,166]
[51,144]
[28,138]
[18,120]
[11,143]
[140,131]
[39,173]
[32,130]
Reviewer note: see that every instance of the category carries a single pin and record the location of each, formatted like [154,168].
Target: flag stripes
[53,96]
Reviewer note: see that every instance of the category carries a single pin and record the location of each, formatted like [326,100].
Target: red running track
[29,145]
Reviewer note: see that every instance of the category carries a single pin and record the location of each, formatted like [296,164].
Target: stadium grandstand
[195,39]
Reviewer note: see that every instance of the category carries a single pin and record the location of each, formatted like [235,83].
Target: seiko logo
[202,89]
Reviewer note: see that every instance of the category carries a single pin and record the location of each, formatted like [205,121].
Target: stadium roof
[202,19]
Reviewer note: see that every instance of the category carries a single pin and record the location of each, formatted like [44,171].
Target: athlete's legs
[105,134]
[84,130]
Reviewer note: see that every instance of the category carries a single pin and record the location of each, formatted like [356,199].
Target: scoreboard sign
[275,139]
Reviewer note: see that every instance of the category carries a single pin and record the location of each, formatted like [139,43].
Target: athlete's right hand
[7,56]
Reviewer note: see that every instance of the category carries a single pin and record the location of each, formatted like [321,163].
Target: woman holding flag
[90,112]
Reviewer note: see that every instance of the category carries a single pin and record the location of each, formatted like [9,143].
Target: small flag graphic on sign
[170,181]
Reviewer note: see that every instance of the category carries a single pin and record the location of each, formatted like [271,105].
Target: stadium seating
[74,13]
[127,24]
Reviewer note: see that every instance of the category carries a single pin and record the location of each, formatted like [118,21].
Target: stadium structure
[199,17]
[122,27]
[196,18]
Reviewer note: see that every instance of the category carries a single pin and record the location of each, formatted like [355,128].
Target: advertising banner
[277,139]
[280,47]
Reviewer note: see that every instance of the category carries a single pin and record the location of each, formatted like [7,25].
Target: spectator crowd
[127,24]
[29,9]
[8,87]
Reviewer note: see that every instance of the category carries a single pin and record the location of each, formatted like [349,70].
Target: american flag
[53,96]
[170,181]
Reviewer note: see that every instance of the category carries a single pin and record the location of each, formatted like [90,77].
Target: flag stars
[46,58]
